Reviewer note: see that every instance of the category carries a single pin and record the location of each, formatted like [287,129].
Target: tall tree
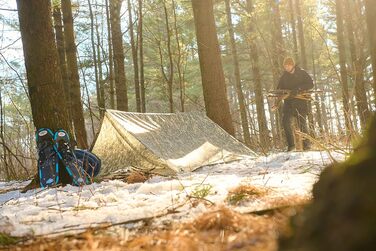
[358,61]
[141,51]
[110,59]
[179,59]
[135,58]
[238,84]
[118,52]
[94,50]
[75,90]
[102,102]
[213,80]
[278,53]
[260,108]
[170,76]
[371,19]
[342,63]
[59,34]
[45,85]
[303,57]
[293,27]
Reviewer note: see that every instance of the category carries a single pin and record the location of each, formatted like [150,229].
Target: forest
[72,64]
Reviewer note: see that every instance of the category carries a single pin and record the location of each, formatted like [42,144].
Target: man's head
[289,64]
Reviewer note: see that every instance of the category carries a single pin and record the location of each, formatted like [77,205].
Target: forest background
[330,39]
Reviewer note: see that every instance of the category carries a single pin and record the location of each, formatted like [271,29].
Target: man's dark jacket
[297,81]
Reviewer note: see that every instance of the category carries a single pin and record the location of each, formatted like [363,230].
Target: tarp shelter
[164,143]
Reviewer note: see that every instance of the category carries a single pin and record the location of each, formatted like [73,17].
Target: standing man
[295,80]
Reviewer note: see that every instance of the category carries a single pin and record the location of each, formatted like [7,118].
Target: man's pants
[290,111]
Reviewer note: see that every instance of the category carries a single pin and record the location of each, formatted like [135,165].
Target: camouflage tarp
[164,143]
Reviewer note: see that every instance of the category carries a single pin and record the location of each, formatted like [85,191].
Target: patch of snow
[69,208]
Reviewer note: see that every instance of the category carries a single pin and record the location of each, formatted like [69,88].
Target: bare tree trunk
[102,102]
[358,61]
[293,28]
[170,77]
[277,55]
[59,34]
[303,56]
[110,59]
[45,85]
[2,127]
[141,49]
[213,80]
[71,52]
[303,60]
[317,103]
[135,59]
[371,19]
[178,63]
[238,85]
[343,68]
[117,43]
[93,47]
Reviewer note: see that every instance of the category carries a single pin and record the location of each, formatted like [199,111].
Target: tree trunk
[293,28]
[303,56]
[178,63]
[102,101]
[213,80]
[93,47]
[48,105]
[317,103]
[117,43]
[110,59]
[277,56]
[343,68]
[135,59]
[59,34]
[71,52]
[170,77]
[371,19]
[141,49]
[358,61]
[238,85]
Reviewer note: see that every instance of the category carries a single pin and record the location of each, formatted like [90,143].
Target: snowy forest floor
[243,205]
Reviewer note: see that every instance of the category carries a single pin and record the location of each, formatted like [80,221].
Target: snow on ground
[67,209]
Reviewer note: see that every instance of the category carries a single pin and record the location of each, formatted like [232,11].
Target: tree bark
[93,47]
[59,34]
[343,68]
[118,51]
[141,49]
[178,63]
[277,56]
[293,28]
[303,56]
[102,101]
[260,106]
[213,80]
[358,62]
[75,90]
[238,85]
[135,59]
[110,59]
[45,86]
[371,19]
[170,77]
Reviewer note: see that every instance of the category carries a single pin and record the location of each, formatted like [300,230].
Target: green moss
[202,191]
[6,239]
[236,198]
